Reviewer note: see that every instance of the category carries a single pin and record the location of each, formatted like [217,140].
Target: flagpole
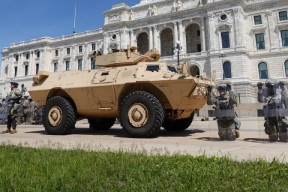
[74,31]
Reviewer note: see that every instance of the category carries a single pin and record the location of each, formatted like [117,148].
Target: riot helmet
[14,83]
[222,88]
[271,85]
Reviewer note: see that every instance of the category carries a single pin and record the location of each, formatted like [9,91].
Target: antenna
[74,31]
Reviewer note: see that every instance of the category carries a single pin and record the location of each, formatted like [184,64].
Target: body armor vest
[224,103]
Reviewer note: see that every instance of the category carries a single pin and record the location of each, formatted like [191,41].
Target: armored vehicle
[142,92]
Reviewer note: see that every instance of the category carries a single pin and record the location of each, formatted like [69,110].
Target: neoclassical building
[245,41]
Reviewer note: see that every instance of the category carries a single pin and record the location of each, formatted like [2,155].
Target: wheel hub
[138,115]
[55,116]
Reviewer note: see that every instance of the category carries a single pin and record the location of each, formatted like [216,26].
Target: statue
[177,5]
[152,11]
[131,16]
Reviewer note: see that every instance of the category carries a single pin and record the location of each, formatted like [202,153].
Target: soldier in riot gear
[228,123]
[14,100]
[274,97]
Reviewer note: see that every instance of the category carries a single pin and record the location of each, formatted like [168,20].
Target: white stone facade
[250,35]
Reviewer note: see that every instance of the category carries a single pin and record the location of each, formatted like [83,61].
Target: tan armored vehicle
[142,92]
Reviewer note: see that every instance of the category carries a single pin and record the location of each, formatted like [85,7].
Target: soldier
[26,110]
[30,113]
[228,123]
[274,97]
[13,99]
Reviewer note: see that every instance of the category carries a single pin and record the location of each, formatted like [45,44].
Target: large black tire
[101,124]
[178,125]
[62,116]
[141,104]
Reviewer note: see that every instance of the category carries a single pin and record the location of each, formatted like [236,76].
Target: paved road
[201,138]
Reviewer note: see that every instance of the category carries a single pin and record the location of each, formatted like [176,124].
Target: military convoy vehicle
[142,92]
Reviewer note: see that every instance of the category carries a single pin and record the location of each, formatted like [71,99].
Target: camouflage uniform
[30,113]
[26,110]
[13,99]
[227,126]
[274,97]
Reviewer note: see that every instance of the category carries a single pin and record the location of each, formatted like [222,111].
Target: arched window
[227,70]
[263,72]
[167,42]
[286,68]
[143,43]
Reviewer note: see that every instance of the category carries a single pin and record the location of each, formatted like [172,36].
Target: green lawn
[30,169]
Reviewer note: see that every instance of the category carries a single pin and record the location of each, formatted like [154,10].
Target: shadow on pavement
[118,132]
[209,138]
[258,140]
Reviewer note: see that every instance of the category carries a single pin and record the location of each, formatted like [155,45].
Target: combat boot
[7,131]
[13,131]
[237,134]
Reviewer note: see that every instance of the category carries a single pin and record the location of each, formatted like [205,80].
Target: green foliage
[30,169]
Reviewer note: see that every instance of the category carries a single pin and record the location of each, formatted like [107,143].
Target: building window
[225,40]
[6,70]
[56,67]
[68,51]
[257,20]
[284,37]
[198,47]
[92,63]
[26,70]
[223,17]
[37,68]
[260,43]
[80,49]
[27,56]
[93,47]
[16,58]
[263,72]
[56,53]
[15,71]
[286,68]
[38,54]
[80,64]
[198,33]
[283,15]
[227,70]
[67,65]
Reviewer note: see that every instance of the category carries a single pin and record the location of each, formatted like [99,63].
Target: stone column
[212,32]
[150,37]
[175,32]
[181,39]
[105,43]
[156,38]
[203,35]
[133,38]
[32,63]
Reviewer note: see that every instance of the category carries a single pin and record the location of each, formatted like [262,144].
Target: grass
[45,169]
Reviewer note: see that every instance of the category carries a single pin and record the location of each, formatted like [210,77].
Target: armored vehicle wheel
[178,125]
[141,114]
[59,116]
[101,124]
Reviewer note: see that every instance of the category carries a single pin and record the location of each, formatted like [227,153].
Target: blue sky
[23,20]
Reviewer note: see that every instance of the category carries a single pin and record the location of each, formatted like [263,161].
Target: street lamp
[177,49]
[222,56]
